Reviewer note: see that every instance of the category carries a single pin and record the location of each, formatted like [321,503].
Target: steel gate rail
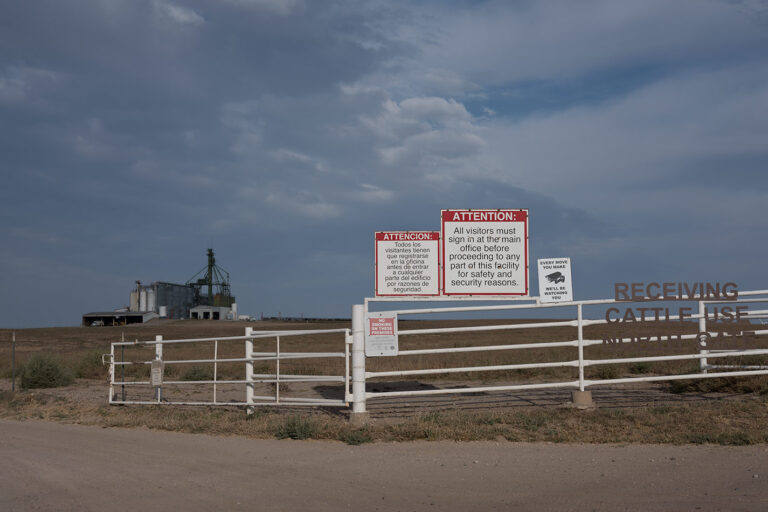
[250,399]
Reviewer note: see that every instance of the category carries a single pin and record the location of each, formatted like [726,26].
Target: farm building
[205,296]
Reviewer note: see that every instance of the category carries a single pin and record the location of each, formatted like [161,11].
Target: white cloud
[433,147]
[285,155]
[423,132]
[303,203]
[178,14]
[434,109]
[92,141]
[280,7]
[372,194]
[23,84]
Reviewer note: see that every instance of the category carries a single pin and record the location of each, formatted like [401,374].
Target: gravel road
[50,466]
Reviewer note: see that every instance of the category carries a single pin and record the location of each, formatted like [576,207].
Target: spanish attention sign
[407,263]
[485,252]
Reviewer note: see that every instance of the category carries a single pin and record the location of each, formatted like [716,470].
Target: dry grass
[726,422]
[80,350]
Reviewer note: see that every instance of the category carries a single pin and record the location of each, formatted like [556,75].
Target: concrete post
[359,415]
[249,371]
[581,398]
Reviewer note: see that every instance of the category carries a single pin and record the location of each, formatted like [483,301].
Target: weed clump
[740,385]
[296,427]
[90,366]
[356,437]
[607,372]
[44,371]
[198,373]
[640,368]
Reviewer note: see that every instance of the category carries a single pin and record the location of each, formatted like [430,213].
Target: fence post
[581,398]
[249,371]
[13,363]
[122,366]
[159,357]
[359,415]
[702,328]
[112,372]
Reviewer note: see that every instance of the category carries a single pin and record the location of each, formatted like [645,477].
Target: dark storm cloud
[134,135]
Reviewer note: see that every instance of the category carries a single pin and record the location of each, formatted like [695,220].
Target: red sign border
[376,266]
[442,262]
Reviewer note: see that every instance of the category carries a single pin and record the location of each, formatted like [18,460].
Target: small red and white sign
[381,326]
[485,252]
[381,334]
[407,263]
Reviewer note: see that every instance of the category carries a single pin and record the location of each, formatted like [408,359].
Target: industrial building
[168,300]
[206,295]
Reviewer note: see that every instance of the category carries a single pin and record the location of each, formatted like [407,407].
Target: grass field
[80,348]
[725,421]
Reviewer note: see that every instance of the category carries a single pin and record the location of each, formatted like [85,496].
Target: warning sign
[555,280]
[407,263]
[381,334]
[156,372]
[485,252]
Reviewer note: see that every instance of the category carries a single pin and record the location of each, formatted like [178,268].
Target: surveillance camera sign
[555,280]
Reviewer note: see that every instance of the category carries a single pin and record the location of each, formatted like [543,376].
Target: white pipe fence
[360,313]
[354,339]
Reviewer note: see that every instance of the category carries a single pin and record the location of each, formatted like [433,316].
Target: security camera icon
[556,277]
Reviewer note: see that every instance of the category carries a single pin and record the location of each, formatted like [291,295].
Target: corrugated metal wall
[177,298]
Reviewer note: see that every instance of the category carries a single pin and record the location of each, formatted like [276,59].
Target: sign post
[407,263]
[485,252]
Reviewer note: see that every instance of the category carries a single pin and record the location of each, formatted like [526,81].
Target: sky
[284,133]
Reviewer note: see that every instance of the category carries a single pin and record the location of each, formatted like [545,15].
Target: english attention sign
[485,252]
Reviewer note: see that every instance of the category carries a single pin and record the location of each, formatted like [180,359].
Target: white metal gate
[159,363]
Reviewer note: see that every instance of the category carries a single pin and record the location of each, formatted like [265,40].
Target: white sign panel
[485,252]
[156,372]
[555,280]
[381,334]
[407,263]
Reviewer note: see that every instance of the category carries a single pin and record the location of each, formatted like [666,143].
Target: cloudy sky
[284,133]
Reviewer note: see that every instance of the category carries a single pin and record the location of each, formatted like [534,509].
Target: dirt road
[49,466]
